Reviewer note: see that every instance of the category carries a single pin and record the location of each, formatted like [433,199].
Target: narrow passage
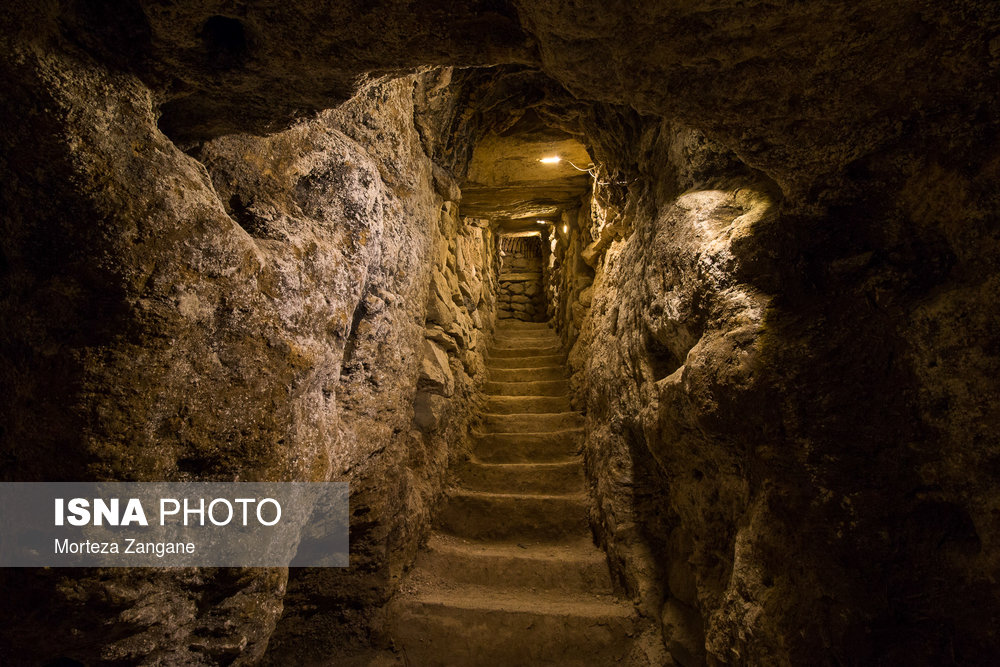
[511,575]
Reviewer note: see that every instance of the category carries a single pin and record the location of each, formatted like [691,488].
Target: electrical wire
[591,169]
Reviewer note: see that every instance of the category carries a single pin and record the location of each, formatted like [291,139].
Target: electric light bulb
[555,159]
[541,222]
[565,229]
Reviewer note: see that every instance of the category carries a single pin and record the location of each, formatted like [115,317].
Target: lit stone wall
[521,295]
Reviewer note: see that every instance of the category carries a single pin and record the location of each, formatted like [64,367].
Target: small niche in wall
[662,360]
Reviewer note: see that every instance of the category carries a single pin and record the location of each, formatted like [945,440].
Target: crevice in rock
[244,217]
[662,360]
[350,342]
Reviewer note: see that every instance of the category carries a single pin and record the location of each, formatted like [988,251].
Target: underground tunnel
[641,333]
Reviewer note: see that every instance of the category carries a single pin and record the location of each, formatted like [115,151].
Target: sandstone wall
[569,293]
[405,388]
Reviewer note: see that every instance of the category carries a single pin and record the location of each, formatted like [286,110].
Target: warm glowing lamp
[555,159]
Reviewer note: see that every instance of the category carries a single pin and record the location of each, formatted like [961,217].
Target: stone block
[435,372]
[460,332]
[439,311]
[471,290]
[438,335]
[445,184]
[591,254]
[428,409]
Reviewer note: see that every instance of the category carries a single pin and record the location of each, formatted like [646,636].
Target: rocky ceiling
[507,182]
[800,90]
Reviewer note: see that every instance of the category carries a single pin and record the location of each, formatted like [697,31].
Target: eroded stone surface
[274,314]
[760,440]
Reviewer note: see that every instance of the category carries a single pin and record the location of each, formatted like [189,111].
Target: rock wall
[569,292]
[261,319]
[769,475]
[405,389]
[154,346]
[521,293]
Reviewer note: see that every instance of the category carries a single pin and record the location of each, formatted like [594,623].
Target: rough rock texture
[569,286]
[267,328]
[799,90]
[774,474]
[667,348]
[221,67]
[143,310]
[389,373]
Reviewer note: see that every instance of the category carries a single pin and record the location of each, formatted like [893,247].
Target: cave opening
[647,337]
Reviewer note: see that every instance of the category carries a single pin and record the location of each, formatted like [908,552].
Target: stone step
[527,374]
[506,346]
[525,404]
[476,515]
[481,626]
[573,567]
[511,575]
[519,336]
[522,341]
[530,388]
[541,361]
[513,339]
[527,447]
[519,327]
[509,315]
[525,350]
[557,477]
[531,422]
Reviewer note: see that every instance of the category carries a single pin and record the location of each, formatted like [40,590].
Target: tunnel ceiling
[798,90]
[506,180]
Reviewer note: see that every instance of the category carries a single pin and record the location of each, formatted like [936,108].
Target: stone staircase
[511,575]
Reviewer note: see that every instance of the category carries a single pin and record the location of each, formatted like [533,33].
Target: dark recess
[225,42]
[662,362]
